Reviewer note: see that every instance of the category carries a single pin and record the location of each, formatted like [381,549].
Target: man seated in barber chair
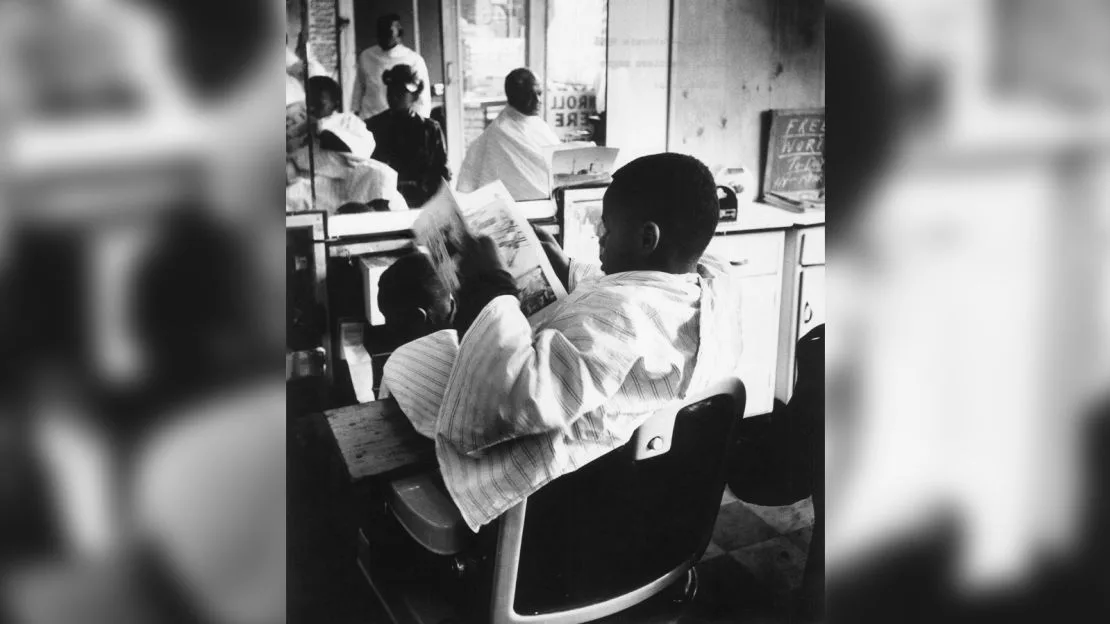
[515,404]
[330,165]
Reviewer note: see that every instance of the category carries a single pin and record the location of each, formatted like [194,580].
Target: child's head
[352,208]
[413,299]
[658,214]
[324,96]
[402,87]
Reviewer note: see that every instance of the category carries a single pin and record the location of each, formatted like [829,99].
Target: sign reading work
[796,153]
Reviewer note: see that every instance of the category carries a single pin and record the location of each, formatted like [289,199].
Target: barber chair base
[426,599]
[405,602]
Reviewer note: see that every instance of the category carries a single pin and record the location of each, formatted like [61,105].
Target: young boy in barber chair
[419,311]
[525,403]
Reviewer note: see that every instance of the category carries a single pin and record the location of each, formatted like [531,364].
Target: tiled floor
[749,574]
[768,542]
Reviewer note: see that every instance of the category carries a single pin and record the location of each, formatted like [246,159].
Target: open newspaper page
[440,229]
[448,219]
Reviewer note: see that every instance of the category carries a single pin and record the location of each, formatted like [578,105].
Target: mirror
[345,157]
[361,139]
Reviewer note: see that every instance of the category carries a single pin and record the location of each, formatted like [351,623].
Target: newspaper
[449,219]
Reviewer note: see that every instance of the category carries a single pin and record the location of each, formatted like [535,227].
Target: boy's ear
[418,316]
[454,308]
[649,237]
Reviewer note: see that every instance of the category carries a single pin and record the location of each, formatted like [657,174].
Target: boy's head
[658,214]
[324,96]
[402,87]
[352,208]
[413,299]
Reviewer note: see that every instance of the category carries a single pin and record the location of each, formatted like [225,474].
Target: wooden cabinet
[756,265]
[803,305]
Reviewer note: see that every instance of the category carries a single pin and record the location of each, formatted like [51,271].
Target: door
[483,40]
[489,38]
[363,26]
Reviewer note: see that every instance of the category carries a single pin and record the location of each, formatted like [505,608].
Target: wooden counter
[759,216]
[375,439]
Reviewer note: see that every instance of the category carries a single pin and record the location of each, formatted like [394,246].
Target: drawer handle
[738,262]
[807,313]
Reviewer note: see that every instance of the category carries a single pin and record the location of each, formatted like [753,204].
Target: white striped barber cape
[524,405]
[419,370]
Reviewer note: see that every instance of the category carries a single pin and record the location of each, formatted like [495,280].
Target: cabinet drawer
[813,246]
[750,254]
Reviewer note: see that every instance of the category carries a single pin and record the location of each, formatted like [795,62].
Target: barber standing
[369,96]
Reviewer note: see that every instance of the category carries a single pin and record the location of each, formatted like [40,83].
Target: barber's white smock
[511,149]
[369,94]
[519,407]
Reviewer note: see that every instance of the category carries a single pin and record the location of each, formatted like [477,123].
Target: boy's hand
[482,278]
[555,255]
[544,235]
[479,258]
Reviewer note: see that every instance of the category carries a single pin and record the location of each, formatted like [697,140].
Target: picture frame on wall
[581,218]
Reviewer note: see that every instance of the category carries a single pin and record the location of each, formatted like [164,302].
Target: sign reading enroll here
[568,111]
[796,153]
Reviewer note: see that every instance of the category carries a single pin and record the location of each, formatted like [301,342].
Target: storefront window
[494,42]
[575,93]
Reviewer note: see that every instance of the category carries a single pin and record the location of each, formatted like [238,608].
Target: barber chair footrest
[425,510]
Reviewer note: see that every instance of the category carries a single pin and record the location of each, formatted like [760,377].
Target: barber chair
[591,543]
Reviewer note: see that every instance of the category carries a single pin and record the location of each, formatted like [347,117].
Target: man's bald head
[523,91]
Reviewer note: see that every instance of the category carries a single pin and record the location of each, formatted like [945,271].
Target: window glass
[494,42]
[575,93]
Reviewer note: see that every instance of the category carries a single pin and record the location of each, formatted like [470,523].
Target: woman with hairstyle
[411,144]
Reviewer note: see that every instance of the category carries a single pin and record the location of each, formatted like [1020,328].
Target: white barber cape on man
[340,177]
[512,150]
[519,403]
[368,98]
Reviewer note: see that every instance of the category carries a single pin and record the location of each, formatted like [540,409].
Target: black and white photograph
[567,417]
[557,279]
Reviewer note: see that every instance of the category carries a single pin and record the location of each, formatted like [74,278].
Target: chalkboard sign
[795,166]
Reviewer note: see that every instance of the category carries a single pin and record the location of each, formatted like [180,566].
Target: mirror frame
[400,221]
